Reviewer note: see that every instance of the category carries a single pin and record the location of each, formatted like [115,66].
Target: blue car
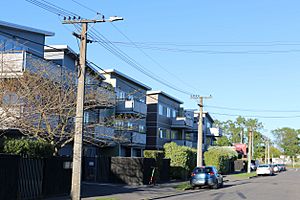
[206,176]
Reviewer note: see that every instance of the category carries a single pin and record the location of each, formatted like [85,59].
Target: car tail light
[211,173]
[193,174]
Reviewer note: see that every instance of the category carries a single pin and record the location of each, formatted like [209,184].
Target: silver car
[206,176]
[265,170]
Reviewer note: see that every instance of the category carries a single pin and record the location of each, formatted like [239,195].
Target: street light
[78,135]
[115,18]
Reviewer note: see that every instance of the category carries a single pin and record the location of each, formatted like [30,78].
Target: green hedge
[154,154]
[26,147]
[220,157]
[183,160]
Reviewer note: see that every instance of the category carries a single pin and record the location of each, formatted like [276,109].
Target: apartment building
[210,133]
[20,48]
[96,130]
[130,114]
[166,120]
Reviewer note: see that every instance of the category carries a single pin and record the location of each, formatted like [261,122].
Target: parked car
[282,167]
[264,170]
[276,168]
[206,176]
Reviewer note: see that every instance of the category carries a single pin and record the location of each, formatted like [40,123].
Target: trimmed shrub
[220,157]
[154,154]
[26,147]
[183,160]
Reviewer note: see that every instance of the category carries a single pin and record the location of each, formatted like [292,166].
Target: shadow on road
[95,189]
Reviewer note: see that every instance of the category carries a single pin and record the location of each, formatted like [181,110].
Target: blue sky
[244,53]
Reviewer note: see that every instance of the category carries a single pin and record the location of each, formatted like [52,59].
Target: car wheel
[216,185]
[221,184]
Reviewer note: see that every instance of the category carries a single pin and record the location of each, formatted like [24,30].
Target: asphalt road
[283,186]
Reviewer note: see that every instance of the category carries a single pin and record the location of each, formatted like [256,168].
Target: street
[283,186]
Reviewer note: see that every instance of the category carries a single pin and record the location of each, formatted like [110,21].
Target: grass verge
[183,186]
[245,175]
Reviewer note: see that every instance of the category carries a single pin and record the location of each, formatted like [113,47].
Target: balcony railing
[131,106]
[103,132]
[138,138]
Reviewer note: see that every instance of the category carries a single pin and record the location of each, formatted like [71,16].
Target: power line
[205,51]
[253,110]
[216,44]
[123,56]
[52,8]
[88,8]
[151,58]
[130,61]
[257,116]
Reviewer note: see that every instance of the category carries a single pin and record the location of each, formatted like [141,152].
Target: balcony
[12,64]
[182,122]
[179,142]
[131,106]
[138,138]
[215,132]
[102,132]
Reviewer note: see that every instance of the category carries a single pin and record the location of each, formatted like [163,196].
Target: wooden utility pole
[249,150]
[200,129]
[200,135]
[268,152]
[78,137]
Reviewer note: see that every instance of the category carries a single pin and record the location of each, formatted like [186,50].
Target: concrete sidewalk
[94,191]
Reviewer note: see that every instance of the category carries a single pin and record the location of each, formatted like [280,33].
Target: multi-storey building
[96,130]
[20,47]
[166,121]
[209,131]
[130,114]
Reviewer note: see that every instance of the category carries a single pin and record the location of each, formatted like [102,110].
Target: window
[141,129]
[162,133]
[174,113]
[160,109]
[86,117]
[175,135]
[129,125]
[168,134]
[164,111]
[120,94]
[189,136]
[168,112]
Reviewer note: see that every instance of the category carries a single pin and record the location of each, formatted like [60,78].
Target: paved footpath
[93,191]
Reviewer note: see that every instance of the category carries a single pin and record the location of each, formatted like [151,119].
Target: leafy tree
[275,152]
[223,141]
[237,132]
[288,140]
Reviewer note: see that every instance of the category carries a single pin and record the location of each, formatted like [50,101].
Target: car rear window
[203,170]
[263,166]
